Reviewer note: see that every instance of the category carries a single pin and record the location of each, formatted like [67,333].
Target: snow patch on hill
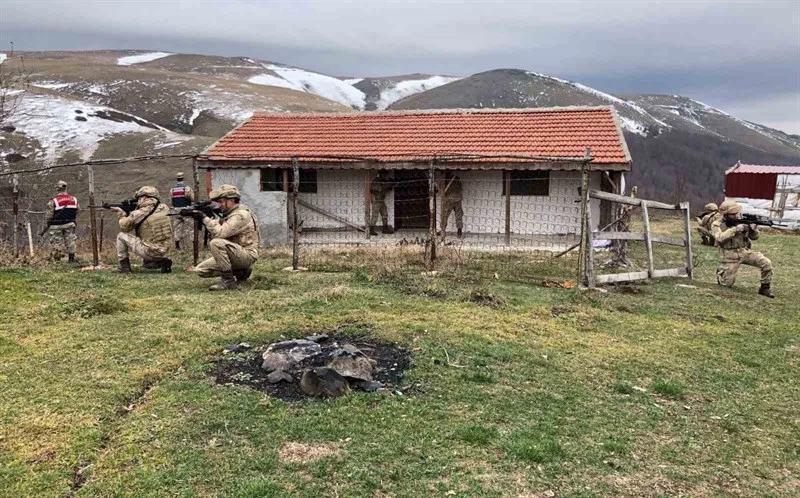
[3,58]
[138,59]
[61,125]
[406,88]
[319,84]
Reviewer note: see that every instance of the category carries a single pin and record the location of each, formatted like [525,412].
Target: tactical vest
[178,194]
[65,209]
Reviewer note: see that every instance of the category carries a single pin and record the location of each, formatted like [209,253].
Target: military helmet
[730,207]
[225,192]
[147,191]
[710,207]
[179,176]
[61,185]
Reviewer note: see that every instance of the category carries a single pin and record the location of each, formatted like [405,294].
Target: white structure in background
[768,191]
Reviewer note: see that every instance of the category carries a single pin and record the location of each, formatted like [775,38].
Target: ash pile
[318,366]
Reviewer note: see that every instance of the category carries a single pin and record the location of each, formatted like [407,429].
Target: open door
[411,199]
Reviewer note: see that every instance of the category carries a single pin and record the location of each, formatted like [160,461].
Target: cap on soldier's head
[179,176]
[147,191]
[225,192]
[730,207]
[61,185]
[710,207]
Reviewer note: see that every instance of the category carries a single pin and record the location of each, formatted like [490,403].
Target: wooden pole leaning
[648,241]
[92,216]
[687,234]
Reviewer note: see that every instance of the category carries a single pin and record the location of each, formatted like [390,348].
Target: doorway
[411,199]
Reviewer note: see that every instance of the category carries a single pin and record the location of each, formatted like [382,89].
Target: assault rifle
[748,219]
[128,205]
[208,208]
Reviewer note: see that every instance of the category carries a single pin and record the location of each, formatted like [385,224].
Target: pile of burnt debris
[318,366]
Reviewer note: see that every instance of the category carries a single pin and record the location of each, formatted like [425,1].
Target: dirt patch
[243,367]
[305,452]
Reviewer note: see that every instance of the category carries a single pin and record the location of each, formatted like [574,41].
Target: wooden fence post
[367,203]
[687,235]
[92,216]
[195,223]
[507,183]
[15,211]
[295,188]
[586,226]
[432,216]
[590,283]
[648,241]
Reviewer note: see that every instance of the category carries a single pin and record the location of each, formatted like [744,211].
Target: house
[520,169]
[770,191]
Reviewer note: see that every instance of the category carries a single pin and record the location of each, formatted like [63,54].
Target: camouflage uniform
[234,247]
[704,227]
[734,250]
[146,232]
[182,196]
[379,188]
[451,202]
[62,212]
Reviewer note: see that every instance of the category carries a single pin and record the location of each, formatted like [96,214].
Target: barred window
[272,180]
[529,183]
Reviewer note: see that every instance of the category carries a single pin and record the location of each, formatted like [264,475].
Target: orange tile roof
[507,135]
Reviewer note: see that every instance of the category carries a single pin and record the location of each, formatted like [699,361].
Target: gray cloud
[729,54]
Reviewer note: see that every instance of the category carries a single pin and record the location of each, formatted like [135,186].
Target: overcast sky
[743,57]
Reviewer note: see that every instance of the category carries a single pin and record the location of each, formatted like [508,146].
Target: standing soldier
[734,248]
[182,197]
[709,216]
[146,232]
[62,211]
[380,186]
[451,202]
[234,246]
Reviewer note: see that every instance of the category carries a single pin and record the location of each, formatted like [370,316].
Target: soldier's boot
[242,275]
[765,291]
[166,265]
[372,231]
[178,245]
[226,282]
[387,229]
[71,257]
[124,266]
[460,233]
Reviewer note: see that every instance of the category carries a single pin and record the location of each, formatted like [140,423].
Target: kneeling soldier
[234,246]
[146,232]
[709,216]
[734,248]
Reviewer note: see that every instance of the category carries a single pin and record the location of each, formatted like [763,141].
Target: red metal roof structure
[556,137]
[755,181]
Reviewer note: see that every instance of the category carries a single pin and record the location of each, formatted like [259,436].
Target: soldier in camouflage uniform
[710,215]
[234,247]
[62,212]
[733,241]
[379,188]
[146,232]
[451,202]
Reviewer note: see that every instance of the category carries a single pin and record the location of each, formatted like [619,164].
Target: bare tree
[14,82]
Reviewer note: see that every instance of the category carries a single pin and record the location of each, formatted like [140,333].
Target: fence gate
[588,275]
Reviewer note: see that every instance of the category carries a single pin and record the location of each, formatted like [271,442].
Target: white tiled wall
[340,192]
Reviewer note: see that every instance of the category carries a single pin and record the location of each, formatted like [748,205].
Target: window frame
[531,183]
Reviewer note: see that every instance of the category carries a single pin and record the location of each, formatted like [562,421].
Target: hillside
[671,138]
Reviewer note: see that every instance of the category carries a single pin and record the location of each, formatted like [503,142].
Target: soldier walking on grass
[733,240]
[234,246]
[146,232]
[451,202]
[62,211]
[182,197]
[379,188]
[709,216]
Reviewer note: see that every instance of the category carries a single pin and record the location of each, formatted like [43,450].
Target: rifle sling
[138,225]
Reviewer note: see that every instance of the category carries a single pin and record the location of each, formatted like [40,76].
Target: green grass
[517,388]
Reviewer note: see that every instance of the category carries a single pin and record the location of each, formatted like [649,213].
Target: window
[529,183]
[272,180]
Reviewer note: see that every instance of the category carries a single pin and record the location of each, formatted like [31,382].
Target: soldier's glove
[193,213]
[742,228]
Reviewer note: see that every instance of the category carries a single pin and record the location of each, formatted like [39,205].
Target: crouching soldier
[709,216]
[234,246]
[146,232]
[733,239]
[62,211]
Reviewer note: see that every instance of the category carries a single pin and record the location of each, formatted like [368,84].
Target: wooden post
[585,226]
[285,176]
[92,216]
[367,204]
[30,238]
[687,234]
[102,235]
[295,188]
[589,249]
[507,182]
[432,216]
[15,210]
[195,223]
[648,242]
[209,183]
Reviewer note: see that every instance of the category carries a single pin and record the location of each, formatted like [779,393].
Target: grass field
[647,390]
